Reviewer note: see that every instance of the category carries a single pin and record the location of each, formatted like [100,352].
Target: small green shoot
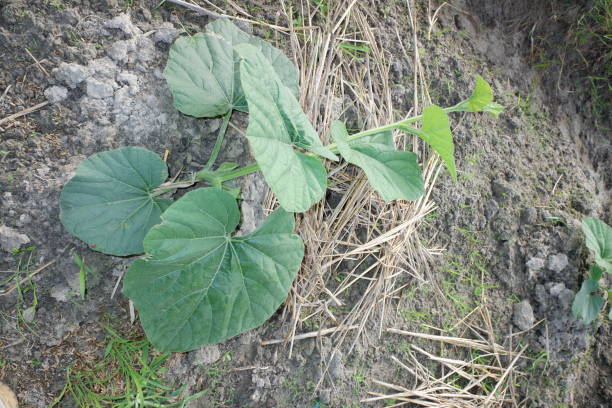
[587,305]
[84,270]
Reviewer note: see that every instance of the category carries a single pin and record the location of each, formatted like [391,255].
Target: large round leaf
[202,285]
[108,203]
[282,65]
[202,77]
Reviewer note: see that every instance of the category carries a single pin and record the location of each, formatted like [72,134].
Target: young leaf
[394,175]
[586,307]
[384,138]
[202,76]
[493,108]
[202,285]
[277,126]
[598,236]
[108,203]
[285,69]
[481,96]
[436,132]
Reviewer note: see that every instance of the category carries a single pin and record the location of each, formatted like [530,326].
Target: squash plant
[598,235]
[198,282]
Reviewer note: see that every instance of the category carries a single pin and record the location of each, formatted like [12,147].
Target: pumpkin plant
[199,283]
[598,235]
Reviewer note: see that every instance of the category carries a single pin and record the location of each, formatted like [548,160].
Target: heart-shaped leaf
[202,76]
[598,236]
[202,285]
[283,67]
[277,126]
[394,175]
[108,203]
[436,132]
[586,307]
[481,99]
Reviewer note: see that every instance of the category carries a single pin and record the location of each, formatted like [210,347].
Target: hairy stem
[401,125]
[243,171]
[219,141]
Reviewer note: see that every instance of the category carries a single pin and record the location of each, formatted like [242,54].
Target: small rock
[119,50]
[523,315]
[556,288]
[11,239]
[566,298]
[336,368]
[145,49]
[325,396]
[491,209]
[71,74]
[502,191]
[7,397]
[205,355]
[61,293]
[29,314]
[56,94]
[98,90]
[529,215]
[123,23]
[534,265]
[166,33]
[24,219]
[127,78]
[103,67]
[557,262]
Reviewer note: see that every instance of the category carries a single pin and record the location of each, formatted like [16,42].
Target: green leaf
[394,175]
[283,66]
[493,108]
[595,272]
[481,96]
[436,132]
[202,76]
[383,138]
[108,203]
[277,126]
[586,307]
[598,236]
[201,285]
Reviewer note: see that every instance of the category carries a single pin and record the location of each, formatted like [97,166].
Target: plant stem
[243,171]
[164,188]
[402,124]
[219,141]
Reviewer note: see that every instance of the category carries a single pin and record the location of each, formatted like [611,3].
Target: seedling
[200,283]
[84,270]
[598,234]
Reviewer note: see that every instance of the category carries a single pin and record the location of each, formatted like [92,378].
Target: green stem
[243,171]
[219,141]
[164,188]
[401,124]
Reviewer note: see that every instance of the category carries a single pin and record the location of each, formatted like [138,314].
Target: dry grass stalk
[486,380]
[380,239]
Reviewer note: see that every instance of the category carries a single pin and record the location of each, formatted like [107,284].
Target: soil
[525,181]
